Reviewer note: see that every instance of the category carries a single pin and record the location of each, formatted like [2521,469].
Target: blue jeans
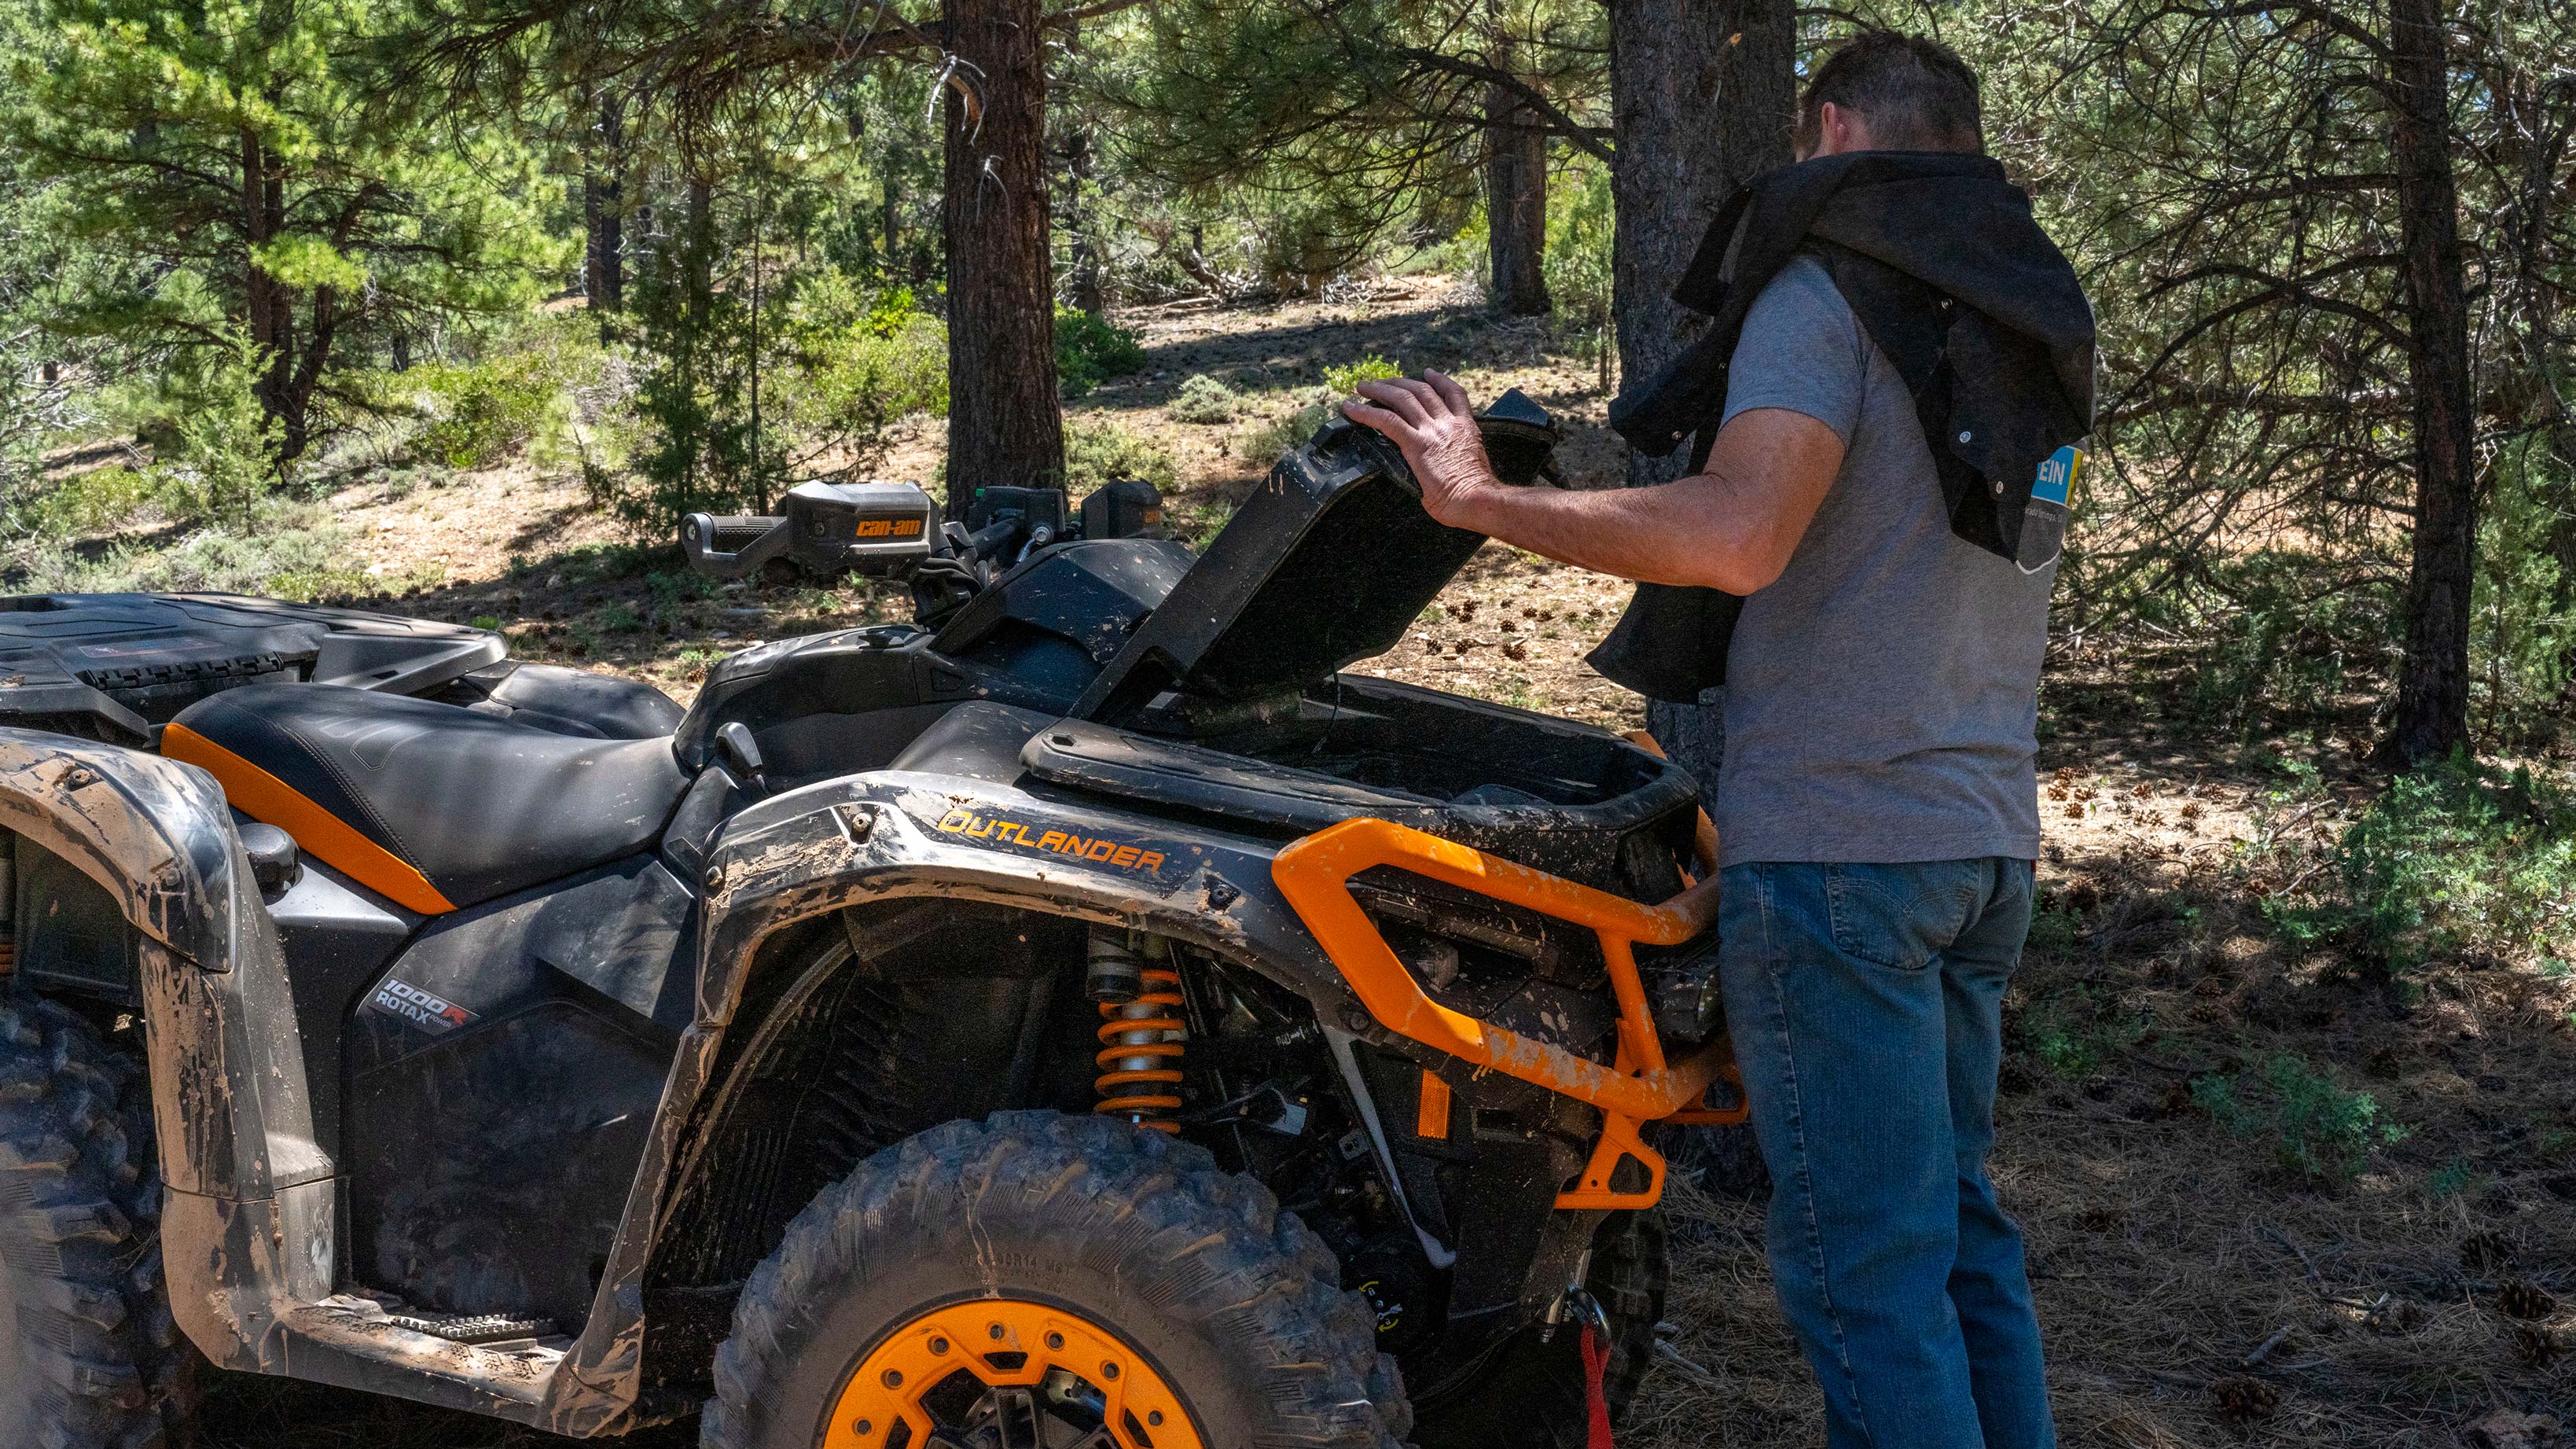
[1866,1007]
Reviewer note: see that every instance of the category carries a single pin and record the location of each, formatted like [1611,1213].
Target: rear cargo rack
[1638,1087]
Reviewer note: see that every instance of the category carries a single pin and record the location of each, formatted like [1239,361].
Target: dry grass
[2167,1252]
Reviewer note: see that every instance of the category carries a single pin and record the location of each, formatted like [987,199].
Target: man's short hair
[1915,92]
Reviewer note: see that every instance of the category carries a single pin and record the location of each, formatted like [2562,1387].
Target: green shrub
[2321,1130]
[2458,860]
[1097,451]
[1090,350]
[218,456]
[858,382]
[1343,381]
[1578,262]
[2287,639]
[477,413]
[1203,399]
[103,500]
[287,554]
[2522,633]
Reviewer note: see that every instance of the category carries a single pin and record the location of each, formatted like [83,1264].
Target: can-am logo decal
[1053,842]
[434,1014]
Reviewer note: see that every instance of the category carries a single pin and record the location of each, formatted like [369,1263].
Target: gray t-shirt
[1882,694]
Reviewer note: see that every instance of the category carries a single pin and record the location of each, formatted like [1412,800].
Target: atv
[1087,1017]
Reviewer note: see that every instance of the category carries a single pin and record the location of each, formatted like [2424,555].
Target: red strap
[1596,1362]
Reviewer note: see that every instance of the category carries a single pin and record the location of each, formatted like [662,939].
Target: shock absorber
[1142,1034]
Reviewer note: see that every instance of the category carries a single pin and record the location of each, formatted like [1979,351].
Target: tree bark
[1701,96]
[1004,424]
[2432,716]
[603,188]
[1515,199]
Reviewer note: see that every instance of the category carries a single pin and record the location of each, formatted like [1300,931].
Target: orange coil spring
[1141,1045]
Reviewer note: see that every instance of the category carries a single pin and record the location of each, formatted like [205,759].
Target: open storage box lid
[1329,562]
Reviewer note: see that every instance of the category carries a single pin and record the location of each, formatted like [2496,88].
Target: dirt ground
[2194,1291]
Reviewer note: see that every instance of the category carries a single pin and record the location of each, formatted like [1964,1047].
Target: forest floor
[2194,1289]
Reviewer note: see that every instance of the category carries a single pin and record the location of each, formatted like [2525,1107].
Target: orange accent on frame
[1432,1121]
[1639,1086]
[329,839]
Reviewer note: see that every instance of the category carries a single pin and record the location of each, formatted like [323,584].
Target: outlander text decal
[1053,842]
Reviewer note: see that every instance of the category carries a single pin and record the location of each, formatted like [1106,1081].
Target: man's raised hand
[1430,420]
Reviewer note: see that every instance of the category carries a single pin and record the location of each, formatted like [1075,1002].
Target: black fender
[248,1219]
[882,838]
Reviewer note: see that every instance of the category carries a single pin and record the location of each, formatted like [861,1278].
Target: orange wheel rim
[948,1375]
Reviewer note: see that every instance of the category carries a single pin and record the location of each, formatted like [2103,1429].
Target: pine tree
[230,149]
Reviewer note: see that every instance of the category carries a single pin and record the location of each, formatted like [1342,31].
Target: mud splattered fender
[229,1101]
[880,837]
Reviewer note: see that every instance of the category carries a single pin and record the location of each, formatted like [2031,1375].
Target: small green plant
[2449,1181]
[1203,399]
[487,621]
[620,617]
[1345,380]
[1321,406]
[2323,1131]
[1263,444]
[1097,451]
[2054,929]
[1090,350]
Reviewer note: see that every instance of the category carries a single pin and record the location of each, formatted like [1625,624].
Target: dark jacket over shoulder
[1980,313]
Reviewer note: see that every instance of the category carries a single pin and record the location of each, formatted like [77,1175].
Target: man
[1877,807]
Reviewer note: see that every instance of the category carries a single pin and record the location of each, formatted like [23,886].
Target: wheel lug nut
[1155,1418]
[994,1332]
[861,1427]
[1109,1371]
[1055,1340]
[894,1378]
[939,1345]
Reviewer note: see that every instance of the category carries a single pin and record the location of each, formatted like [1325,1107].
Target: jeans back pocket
[1901,916]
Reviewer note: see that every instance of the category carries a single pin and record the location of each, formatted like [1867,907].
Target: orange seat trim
[1639,1086]
[333,841]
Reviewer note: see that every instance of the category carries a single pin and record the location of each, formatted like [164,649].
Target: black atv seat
[431,805]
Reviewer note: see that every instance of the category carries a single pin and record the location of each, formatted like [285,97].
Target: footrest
[480,1328]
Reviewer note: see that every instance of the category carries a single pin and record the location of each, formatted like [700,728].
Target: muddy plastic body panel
[505,1110]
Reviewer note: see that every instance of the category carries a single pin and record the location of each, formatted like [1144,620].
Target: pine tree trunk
[1515,199]
[2432,715]
[1004,424]
[1702,95]
[603,211]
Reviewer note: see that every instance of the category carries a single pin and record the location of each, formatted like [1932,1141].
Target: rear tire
[93,1359]
[1134,1241]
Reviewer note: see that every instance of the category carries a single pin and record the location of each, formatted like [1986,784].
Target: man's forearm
[1732,527]
[1674,533]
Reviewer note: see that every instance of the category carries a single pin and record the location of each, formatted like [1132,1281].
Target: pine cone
[2524,1299]
[2534,1346]
[2485,1250]
[2244,1397]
